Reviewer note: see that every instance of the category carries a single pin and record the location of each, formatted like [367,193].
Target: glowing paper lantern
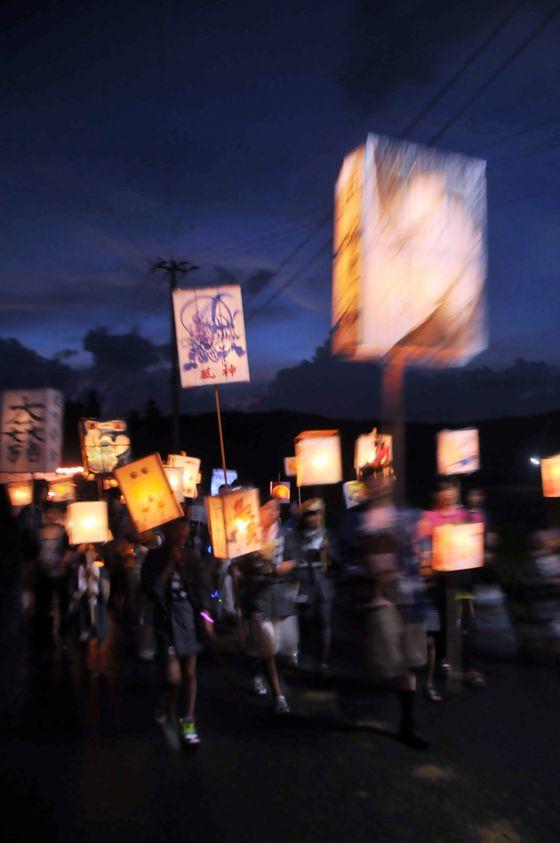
[234,522]
[191,472]
[410,256]
[354,493]
[31,431]
[458,547]
[87,522]
[318,458]
[290,466]
[457,451]
[61,491]
[373,448]
[105,445]
[20,494]
[550,471]
[148,493]
[280,489]
[219,480]
[175,477]
[210,332]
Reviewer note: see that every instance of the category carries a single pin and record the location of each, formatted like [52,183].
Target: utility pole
[174,269]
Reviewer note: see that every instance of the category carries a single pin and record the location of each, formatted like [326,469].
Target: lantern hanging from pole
[61,491]
[458,451]
[105,445]
[175,477]
[373,448]
[290,466]
[191,472]
[87,522]
[550,472]
[21,493]
[148,493]
[318,458]
[458,547]
[234,522]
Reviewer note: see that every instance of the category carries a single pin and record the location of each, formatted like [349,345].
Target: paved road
[86,762]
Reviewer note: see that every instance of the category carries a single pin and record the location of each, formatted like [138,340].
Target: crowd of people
[168,587]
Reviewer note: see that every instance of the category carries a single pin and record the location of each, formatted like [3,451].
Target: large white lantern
[458,547]
[410,254]
[550,471]
[31,430]
[457,451]
[21,493]
[191,472]
[87,522]
[235,523]
[318,456]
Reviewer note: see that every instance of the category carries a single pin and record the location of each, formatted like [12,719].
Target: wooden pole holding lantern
[220,431]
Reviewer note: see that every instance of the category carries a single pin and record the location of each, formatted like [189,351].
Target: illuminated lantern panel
[410,254]
[290,466]
[20,494]
[87,522]
[280,489]
[234,522]
[354,493]
[318,457]
[148,493]
[61,491]
[105,445]
[458,547]
[31,424]
[457,451]
[191,472]
[550,471]
[175,477]
[373,448]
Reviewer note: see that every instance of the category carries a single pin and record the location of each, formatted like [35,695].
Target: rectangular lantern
[354,493]
[191,472]
[148,493]
[61,491]
[175,477]
[457,451]
[210,329]
[31,432]
[235,523]
[410,254]
[290,466]
[372,448]
[20,494]
[550,472]
[281,490]
[458,547]
[105,445]
[319,461]
[87,522]
[218,479]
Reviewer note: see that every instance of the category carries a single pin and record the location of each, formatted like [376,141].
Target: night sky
[214,132]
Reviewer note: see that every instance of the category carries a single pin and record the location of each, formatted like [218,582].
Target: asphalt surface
[84,760]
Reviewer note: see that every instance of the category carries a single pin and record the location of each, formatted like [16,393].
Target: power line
[471,58]
[493,76]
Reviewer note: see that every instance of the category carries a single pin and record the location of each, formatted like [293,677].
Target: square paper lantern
[457,451]
[290,466]
[318,457]
[410,254]
[61,491]
[280,489]
[87,522]
[371,448]
[550,471]
[191,472]
[458,547]
[175,477]
[148,493]
[235,523]
[20,494]
[31,431]
[354,493]
[105,445]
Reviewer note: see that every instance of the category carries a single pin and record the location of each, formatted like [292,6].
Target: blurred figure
[11,614]
[173,579]
[545,590]
[395,633]
[88,617]
[268,600]
[316,558]
[51,591]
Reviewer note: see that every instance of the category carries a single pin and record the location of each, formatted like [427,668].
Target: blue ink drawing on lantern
[209,324]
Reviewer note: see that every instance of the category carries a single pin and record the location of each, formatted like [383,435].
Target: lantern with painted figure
[550,472]
[21,493]
[87,522]
[372,448]
[458,547]
[148,493]
[458,451]
[234,522]
[105,444]
[318,458]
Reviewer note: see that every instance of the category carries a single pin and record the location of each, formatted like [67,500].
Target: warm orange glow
[318,458]
[61,491]
[280,490]
[550,472]
[87,522]
[70,470]
[457,451]
[175,477]
[20,494]
[234,522]
[458,547]
[148,493]
[373,448]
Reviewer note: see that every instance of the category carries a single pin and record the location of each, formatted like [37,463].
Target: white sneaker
[281,706]
[259,686]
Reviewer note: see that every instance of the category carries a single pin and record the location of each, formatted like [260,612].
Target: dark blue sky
[215,131]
